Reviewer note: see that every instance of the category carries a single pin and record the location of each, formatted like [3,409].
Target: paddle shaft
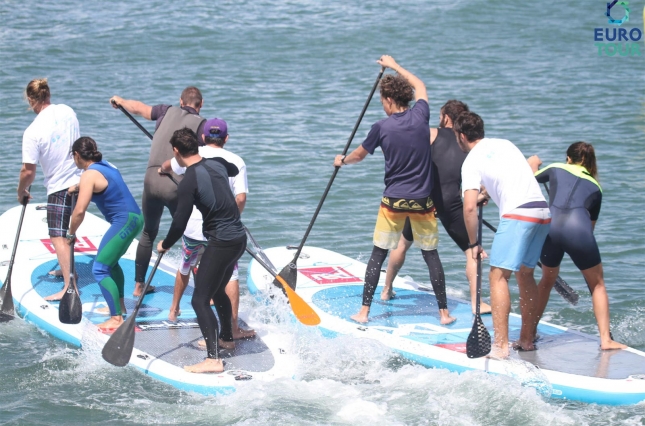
[134,120]
[7,298]
[479,261]
[333,176]
[259,250]
[72,264]
[147,284]
[561,286]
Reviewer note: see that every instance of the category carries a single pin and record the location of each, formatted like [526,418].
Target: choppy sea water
[290,77]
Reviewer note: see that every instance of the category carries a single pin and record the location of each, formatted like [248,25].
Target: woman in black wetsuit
[574,200]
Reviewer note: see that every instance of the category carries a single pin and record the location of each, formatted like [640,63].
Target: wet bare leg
[233,292]
[361,316]
[500,298]
[471,276]
[596,283]
[209,365]
[62,254]
[528,307]
[549,275]
[181,282]
[394,265]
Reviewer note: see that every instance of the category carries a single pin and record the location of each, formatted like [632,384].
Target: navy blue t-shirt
[405,140]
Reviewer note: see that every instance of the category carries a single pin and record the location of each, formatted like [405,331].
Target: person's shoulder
[232,157]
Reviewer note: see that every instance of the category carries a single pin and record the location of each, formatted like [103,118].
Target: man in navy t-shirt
[403,137]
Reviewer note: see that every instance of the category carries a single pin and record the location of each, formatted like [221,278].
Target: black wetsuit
[206,185]
[447,159]
[574,200]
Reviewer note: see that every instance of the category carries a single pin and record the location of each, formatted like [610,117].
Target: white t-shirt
[48,140]
[239,185]
[501,168]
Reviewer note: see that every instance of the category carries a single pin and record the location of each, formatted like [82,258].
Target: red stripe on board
[527,218]
[457,347]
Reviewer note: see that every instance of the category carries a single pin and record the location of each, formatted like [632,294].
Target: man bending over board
[206,186]
[500,167]
[403,136]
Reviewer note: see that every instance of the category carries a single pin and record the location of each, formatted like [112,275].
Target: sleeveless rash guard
[574,200]
[120,209]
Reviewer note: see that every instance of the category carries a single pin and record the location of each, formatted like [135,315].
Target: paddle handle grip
[134,120]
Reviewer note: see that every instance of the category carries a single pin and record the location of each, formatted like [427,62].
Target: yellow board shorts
[391,219]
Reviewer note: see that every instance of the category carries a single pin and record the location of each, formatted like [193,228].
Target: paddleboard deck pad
[161,347]
[568,364]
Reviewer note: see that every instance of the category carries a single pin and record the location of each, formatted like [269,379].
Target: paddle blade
[478,344]
[289,275]
[118,349]
[70,309]
[301,309]
[7,308]
[567,293]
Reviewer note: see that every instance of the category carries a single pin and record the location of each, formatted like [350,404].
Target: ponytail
[582,153]
[86,148]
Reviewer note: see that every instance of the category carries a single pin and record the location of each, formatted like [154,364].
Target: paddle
[561,286]
[118,349]
[70,309]
[478,343]
[134,120]
[259,251]
[290,272]
[7,308]
[303,312]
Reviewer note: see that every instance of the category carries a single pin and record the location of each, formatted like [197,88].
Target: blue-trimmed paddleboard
[567,365]
[161,348]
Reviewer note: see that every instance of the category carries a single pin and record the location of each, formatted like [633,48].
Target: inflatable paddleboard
[161,348]
[568,364]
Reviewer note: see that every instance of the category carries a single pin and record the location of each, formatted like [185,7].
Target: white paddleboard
[569,363]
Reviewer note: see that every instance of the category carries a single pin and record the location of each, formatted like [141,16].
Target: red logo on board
[82,244]
[329,275]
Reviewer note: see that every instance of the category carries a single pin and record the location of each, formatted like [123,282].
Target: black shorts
[59,210]
[453,223]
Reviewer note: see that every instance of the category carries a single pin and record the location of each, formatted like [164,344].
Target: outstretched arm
[27,176]
[85,190]
[356,156]
[132,106]
[420,91]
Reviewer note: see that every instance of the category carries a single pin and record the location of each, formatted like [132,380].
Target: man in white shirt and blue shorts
[500,167]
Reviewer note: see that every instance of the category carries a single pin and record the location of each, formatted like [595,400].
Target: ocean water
[290,77]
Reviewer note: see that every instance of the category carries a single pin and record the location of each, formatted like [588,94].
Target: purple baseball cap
[215,128]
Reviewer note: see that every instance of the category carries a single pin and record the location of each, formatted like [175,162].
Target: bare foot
[243,334]
[56,296]
[610,345]
[222,344]
[445,317]
[498,353]
[361,316]
[174,313]
[387,294]
[112,324]
[521,347]
[138,288]
[484,308]
[209,365]
[56,273]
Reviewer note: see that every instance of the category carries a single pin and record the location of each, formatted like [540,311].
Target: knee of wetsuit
[100,271]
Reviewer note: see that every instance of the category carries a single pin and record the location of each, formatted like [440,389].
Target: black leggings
[214,272]
[431,257]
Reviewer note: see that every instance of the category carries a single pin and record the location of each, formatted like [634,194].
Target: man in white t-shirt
[48,140]
[215,135]
[500,167]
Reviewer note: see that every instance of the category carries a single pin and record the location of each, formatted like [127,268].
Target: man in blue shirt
[403,137]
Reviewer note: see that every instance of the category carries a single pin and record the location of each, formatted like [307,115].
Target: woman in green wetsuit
[574,201]
[102,183]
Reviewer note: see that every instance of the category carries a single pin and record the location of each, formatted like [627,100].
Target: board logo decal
[82,244]
[329,275]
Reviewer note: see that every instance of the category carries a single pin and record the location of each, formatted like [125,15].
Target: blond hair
[37,91]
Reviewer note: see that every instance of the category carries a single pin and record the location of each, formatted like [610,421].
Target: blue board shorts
[519,239]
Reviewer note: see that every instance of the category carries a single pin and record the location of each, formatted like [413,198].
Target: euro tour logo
[623,41]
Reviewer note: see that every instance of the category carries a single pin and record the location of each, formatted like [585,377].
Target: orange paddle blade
[301,309]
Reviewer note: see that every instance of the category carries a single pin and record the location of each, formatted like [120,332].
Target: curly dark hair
[397,88]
